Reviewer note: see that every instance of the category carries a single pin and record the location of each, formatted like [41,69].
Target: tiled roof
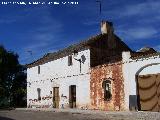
[66,51]
[75,47]
[147,49]
[137,55]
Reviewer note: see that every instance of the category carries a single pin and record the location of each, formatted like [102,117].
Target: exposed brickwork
[98,75]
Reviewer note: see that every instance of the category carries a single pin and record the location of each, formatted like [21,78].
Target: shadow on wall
[5,118]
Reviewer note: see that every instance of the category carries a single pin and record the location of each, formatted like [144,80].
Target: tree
[12,79]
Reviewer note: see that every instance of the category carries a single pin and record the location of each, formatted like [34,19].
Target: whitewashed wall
[57,73]
[131,68]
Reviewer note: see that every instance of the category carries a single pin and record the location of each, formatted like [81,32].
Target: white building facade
[58,74]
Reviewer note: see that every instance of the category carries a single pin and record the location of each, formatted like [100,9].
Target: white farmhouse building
[62,79]
[99,73]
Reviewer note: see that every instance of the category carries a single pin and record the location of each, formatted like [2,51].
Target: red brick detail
[98,75]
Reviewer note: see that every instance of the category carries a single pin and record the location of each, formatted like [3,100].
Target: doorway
[72,96]
[56,97]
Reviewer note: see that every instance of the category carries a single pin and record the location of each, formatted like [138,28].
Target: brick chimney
[106,27]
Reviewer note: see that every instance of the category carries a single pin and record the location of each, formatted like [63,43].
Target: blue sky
[48,28]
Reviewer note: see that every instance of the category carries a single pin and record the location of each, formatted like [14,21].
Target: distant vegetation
[12,80]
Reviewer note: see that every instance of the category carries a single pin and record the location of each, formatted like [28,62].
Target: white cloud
[137,9]
[146,8]
[137,33]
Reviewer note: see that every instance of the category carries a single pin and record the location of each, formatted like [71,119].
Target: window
[70,60]
[75,53]
[107,89]
[39,70]
[39,93]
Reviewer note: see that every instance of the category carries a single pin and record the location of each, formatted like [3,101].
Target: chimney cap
[108,22]
[106,27]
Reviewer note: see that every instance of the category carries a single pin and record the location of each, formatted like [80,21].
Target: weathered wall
[57,73]
[137,66]
[108,45]
[100,73]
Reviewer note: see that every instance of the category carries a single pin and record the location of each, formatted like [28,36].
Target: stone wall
[98,75]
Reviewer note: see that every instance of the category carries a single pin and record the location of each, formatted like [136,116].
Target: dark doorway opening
[72,96]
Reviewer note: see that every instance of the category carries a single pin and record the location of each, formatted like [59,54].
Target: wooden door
[56,97]
[149,92]
[72,96]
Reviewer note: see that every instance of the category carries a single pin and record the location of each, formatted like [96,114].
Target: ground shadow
[5,118]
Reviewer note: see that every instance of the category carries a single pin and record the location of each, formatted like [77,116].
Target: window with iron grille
[107,90]
[70,60]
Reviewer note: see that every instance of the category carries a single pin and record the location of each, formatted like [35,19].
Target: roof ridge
[145,54]
[72,46]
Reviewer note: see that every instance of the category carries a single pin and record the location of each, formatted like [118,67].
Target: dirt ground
[88,115]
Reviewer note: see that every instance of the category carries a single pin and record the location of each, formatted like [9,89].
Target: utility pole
[100,6]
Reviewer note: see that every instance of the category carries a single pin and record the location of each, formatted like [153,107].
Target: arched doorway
[148,89]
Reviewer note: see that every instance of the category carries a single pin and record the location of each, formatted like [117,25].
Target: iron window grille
[107,90]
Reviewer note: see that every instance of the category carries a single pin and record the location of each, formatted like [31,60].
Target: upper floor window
[107,89]
[39,69]
[75,53]
[70,60]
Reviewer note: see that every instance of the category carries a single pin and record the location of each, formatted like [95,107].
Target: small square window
[70,60]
